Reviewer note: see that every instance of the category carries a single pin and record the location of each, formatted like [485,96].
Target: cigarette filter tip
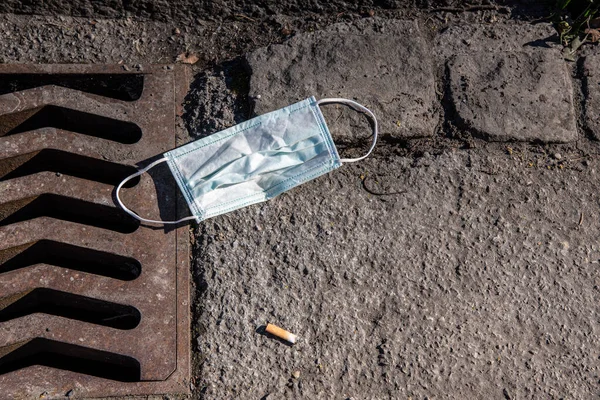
[281,333]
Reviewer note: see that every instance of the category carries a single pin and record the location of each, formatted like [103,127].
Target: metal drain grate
[91,302]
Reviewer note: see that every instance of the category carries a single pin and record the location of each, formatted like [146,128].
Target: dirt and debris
[187,58]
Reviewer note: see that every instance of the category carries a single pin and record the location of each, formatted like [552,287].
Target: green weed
[576,23]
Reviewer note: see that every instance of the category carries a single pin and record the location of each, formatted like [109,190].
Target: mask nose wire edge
[360,108]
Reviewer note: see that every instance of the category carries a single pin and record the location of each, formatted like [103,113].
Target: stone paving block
[390,72]
[468,285]
[591,84]
[514,96]
[185,11]
[492,38]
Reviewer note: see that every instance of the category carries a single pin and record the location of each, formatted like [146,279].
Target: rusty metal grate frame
[161,341]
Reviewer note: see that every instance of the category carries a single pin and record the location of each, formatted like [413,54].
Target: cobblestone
[390,72]
[489,38]
[591,84]
[506,96]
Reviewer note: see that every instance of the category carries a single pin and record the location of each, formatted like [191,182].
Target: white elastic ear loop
[360,108]
[134,215]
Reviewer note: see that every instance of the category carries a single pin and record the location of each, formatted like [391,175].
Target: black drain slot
[67,209]
[70,120]
[69,357]
[127,87]
[68,305]
[71,257]
[66,163]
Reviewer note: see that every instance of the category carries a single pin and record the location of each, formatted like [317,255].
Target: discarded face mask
[254,161]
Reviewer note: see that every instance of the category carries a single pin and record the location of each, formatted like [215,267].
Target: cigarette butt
[281,333]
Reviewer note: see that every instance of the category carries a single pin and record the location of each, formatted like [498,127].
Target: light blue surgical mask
[254,161]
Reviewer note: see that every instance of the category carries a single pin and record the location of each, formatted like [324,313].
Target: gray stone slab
[591,82]
[466,285]
[390,72]
[186,11]
[514,96]
[492,38]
